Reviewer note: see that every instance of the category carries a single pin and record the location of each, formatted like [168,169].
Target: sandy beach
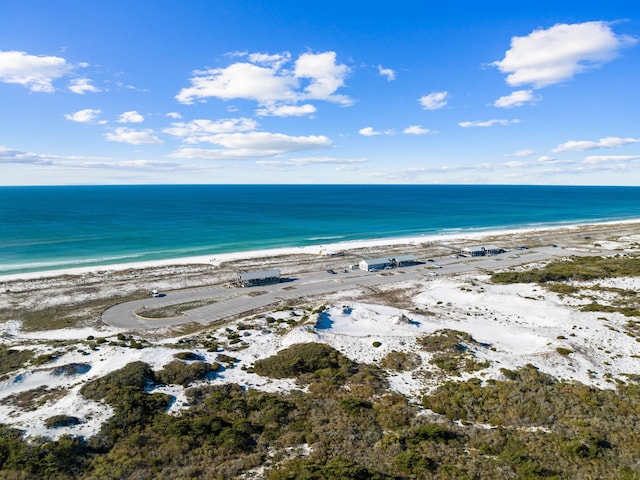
[57,317]
[560,234]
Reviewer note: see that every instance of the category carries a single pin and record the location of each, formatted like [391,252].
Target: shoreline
[317,250]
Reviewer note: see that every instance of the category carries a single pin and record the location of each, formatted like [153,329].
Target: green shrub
[303,358]
[136,375]
[336,469]
[564,351]
[188,356]
[62,421]
[448,363]
[401,361]
[226,359]
[12,359]
[446,340]
[509,374]
[44,358]
[432,432]
[414,463]
[179,373]
[353,405]
[562,288]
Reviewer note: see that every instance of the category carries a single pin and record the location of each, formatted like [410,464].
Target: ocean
[48,228]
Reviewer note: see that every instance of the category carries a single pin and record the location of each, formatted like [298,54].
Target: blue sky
[238,91]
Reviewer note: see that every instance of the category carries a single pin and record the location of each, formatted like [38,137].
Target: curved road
[234,301]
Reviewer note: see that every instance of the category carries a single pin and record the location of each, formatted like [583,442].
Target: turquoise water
[47,228]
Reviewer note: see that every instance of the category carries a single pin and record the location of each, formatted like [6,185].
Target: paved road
[234,301]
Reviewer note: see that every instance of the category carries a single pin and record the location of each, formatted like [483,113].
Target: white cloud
[387,73]
[325,77]
[240,80]
[134,137]
[287,110]
[516,99]
[515,164]
[608,142]
[203,130]
[554,55]
[300,162]
[489,123]
[174,115]
[88,115]
[546,159]
[82,86]
[130,117]
[130,87]
[10,155]
[596,159]
[434,101]
[37,73]
[416,130]
[247,146]
[264,79]
[368,132]
[272,60]
[522,153]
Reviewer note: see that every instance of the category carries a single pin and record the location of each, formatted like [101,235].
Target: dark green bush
[62,421]
[429,432]
[227,359]
[180,373]
[304,358]
[136,375]
[401,361]
[414,463]
[446,340]
[12,359]
[564,351]
[336,469]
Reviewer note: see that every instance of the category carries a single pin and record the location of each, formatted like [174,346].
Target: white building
[493,250]
[373,264]
[260,277]
[481,251]
[473,252]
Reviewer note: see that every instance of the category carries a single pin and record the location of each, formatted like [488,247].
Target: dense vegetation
[576,268]
[545,428]
[345,425]
[181,373]
[302,359]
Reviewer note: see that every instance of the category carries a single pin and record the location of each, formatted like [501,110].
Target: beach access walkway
[220,303]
